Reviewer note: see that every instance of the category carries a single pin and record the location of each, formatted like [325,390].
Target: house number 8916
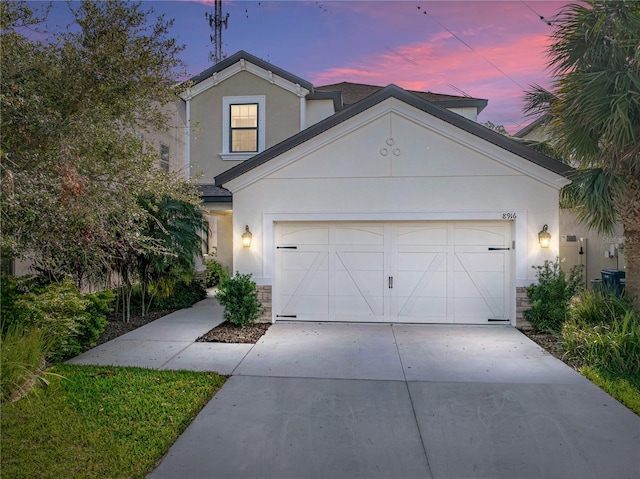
[508,216]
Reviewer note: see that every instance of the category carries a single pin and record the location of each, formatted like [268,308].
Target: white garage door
[415,272]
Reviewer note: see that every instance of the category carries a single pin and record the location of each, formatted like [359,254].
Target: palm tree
[593,116]
[176,233]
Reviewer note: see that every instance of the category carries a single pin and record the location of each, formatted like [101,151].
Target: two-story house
[352,202]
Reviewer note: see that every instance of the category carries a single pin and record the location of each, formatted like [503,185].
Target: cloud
[498,72]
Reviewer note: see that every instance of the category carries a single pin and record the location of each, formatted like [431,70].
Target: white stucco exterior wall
[394,163]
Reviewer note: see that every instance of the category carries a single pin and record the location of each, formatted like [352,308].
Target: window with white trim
[243,119]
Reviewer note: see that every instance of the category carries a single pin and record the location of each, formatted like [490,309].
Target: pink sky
[384,42]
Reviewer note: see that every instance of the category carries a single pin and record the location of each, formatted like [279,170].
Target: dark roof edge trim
[336,96]
[217,199]
[236,57]
[479,103]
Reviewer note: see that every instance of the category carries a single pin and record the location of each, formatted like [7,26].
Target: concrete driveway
[405,401]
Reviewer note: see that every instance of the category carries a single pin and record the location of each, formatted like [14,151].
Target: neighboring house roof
[413,100]
[354,92]
[531,126]
[214,194]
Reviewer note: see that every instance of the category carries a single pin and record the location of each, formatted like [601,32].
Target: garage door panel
[442,272]
[311,233]
[419,284]
[422,235]
[360,261]
[356,305]
[360,235]
[479,262]
[426,309]
[479,235]
[420,260]
[302,282]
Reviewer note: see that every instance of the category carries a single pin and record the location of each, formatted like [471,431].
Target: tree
[73,165]
[499,128]
[593,116]
[179,233]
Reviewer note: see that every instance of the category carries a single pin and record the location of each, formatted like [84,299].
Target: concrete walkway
[382,401]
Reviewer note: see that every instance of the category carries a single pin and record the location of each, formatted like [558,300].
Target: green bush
[598,306]
[69,320]
[215,272]
[59,310]
[22,354]
[11,290]
[95,320]
[603,331]
[183,295]
[551,297]
[239,296]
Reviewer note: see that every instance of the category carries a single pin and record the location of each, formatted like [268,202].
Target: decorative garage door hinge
[286,247]
[286,315]
[495,320]
[499,249]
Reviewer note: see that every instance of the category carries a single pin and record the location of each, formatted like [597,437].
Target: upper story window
[243,123]
[164,157]
[244,127]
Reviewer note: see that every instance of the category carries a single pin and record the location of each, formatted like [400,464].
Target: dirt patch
[228,333]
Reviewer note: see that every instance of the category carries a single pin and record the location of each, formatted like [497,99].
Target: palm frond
[593,193]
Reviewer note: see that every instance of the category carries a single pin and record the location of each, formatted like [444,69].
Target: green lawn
[625,387]
[106,422]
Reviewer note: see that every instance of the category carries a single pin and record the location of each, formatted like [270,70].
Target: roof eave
[425,105]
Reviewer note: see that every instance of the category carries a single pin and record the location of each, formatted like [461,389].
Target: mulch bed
[117,327]
[552,344]
[228,333]
[224,333]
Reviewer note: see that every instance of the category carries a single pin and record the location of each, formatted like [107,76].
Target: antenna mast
[217,22]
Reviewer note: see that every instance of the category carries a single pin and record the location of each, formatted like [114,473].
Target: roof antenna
[217,22]
[465,94]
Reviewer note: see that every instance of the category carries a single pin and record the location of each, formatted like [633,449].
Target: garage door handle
[390,282]
[499,249]
[286,247]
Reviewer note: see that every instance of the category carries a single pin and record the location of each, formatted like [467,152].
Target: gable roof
[242,55]
[540,121]
[413,100]
[354,92]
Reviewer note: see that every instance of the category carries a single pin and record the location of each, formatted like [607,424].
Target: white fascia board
[485,148]
[451,132]
[238,67]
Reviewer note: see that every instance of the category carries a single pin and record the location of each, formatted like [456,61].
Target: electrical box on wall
[573,252]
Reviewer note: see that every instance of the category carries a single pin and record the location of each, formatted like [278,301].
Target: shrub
[599,306]
[239,296]
[22,353]
[550,298]
[95,319]
[603,331]
[183,295]
[66,318]
[215,272]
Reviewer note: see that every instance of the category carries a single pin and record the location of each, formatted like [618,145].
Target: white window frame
[227,101]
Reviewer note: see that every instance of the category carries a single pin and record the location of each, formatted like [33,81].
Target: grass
[109,422]
[625,387]
[602,334]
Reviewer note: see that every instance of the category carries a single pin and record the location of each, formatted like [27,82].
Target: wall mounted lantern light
[544,238]
[246,237]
